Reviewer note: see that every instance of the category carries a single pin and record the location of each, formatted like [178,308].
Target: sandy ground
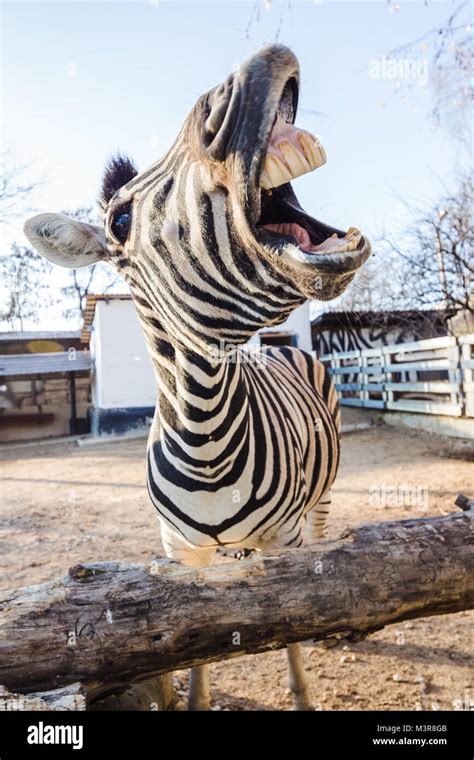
[61,505]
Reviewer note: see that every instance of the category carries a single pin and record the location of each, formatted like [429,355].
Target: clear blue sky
[82,79]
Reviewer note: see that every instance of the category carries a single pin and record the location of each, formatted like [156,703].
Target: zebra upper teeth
[291,153]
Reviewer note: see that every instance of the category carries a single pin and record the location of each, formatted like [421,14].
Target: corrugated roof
[40,335]
[30,365]
[89,311]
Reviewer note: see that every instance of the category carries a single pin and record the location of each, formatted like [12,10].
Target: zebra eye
[121,223]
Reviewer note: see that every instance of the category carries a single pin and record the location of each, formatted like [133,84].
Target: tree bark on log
[69,698]
[109,625]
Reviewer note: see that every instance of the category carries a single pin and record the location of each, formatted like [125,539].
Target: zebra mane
[118,171]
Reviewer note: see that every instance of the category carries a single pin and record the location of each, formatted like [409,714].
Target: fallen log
[69,698]
[109,625]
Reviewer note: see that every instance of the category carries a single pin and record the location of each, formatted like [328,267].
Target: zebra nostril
[216,113]
[215,118]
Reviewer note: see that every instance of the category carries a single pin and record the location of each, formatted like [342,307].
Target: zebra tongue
[291,228]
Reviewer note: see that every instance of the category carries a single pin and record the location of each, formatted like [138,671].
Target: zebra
[214,245]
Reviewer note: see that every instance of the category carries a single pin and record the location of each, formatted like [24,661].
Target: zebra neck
[198,396]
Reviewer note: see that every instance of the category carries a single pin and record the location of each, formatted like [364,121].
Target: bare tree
[81,282]
[23,273]
[450,52]
[431,263]
[427,264]
[378,301]
[435,253]
[27,287]
[21,269]
[14,187]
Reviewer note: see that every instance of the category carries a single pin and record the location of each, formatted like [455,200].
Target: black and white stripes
[244,446]
[241,449]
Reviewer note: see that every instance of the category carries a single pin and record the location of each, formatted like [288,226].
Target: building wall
[30,429]
[43,411]
[37,345]
[123,375]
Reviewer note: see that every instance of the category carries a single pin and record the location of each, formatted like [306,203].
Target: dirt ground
[61,504]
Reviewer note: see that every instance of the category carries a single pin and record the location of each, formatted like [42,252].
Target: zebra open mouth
[283,226]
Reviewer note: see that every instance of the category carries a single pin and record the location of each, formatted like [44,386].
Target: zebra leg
[296,674]
[297,678]
[199,694]
[316,519]
[316,529]
[192,556]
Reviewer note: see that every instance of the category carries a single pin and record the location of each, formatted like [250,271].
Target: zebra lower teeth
[333,244]
[291,153]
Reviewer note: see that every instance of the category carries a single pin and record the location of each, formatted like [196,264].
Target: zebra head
[211,238]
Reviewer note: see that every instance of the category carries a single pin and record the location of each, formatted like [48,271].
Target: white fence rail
[434,376]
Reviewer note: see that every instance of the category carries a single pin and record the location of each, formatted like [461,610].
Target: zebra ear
[66,241]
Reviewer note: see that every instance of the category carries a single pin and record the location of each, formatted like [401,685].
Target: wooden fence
[433,376]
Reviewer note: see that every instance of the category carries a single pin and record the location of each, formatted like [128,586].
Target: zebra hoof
[302,706]
[198,706]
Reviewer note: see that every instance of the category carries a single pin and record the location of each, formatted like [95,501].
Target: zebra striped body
[214,245]
[242,445]
[256,448]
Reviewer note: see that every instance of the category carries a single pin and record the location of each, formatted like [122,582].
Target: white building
[123,382]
